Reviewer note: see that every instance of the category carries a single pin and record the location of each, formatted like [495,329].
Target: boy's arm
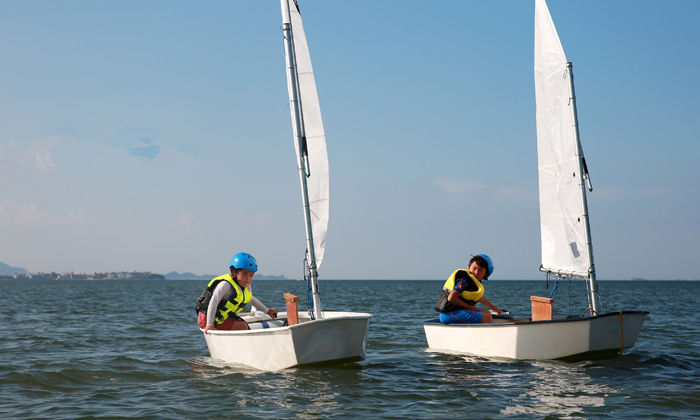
[221,290]
[454,299]
[259,305]
[491,306]
[272,312]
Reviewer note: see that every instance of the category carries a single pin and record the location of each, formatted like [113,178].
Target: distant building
[120,275]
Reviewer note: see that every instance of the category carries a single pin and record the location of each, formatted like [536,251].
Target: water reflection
[561,390]
[213,368]
[304,392]
[543,388]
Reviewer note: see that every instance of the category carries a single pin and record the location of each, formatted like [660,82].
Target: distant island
[6,270]
[107,275]
[174,275]
[638,279]
[9,272]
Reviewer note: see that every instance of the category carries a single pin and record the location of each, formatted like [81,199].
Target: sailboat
[567,250]
[300,337]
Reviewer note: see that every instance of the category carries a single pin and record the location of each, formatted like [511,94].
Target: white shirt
[224,290]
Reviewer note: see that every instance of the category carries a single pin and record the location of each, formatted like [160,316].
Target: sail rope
[556,285]
[554,289]
[558,278]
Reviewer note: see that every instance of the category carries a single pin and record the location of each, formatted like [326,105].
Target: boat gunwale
[272,330]
[436,321]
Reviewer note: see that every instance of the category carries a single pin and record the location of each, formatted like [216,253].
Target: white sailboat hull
[559,338]
[340,336]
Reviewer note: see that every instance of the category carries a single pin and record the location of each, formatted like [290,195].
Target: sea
[120,349]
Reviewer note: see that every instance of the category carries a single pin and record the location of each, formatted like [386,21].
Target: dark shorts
[463,316]
[226,325]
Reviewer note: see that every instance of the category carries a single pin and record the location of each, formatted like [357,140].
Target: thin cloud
[503,193]
[513,193]
[453,187]
[657,192]
[8,151]
[264,218]
[39,155]
[22,216]
[36,155]
[137,142]
[612,193]
[186,219]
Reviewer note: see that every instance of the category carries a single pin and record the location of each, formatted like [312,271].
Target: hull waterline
[512,338]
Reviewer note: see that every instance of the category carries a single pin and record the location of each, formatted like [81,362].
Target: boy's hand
[272,312]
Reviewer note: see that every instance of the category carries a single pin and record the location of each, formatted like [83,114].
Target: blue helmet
[243,260]
[489,262]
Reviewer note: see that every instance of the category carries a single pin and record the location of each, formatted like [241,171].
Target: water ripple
[108,350]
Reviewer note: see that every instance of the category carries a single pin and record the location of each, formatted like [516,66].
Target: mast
[300,147]
[593,286]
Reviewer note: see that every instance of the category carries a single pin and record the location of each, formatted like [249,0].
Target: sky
[156,136]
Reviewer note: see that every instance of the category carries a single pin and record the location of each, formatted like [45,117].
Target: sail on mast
[563,217]
[313,141]
[309,142]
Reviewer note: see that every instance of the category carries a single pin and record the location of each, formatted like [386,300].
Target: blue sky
[155,135]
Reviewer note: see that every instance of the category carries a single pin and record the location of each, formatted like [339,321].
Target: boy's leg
[233,322]
[461,316]
[201,320]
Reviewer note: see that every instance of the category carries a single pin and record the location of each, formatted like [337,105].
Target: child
[227,295]
[463,290]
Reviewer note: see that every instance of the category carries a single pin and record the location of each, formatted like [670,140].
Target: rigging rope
[551,276]
[556,284]
[554,289]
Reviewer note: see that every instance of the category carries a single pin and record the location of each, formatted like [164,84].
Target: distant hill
[174,275]
[6,270]
[261,277]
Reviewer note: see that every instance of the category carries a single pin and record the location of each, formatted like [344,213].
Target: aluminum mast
[300,139]
[582,184]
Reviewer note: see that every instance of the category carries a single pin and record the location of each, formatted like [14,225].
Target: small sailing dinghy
[566,239]
[300,337]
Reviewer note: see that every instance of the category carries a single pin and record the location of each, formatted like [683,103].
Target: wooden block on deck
[541,308]
[292,314]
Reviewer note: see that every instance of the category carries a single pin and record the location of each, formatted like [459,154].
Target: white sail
[312,128]
[562,220]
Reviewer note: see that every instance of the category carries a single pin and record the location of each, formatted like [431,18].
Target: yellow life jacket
[475,290]
[235,304]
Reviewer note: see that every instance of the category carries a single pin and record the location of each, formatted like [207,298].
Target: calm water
[129,349]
